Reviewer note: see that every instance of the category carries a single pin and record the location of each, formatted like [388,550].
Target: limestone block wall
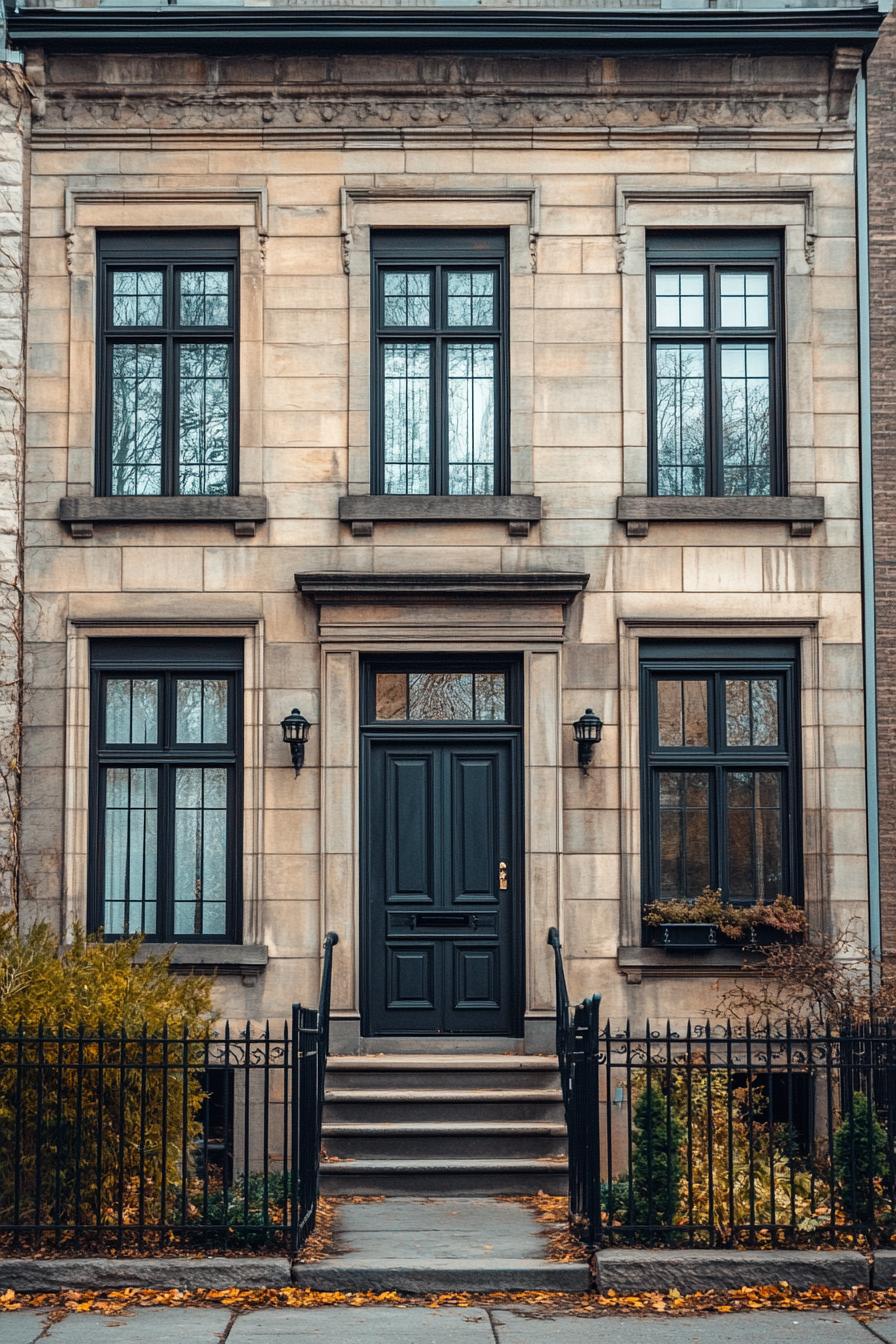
[606,150]
[14,124]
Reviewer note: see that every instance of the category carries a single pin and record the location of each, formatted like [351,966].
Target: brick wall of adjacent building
[882,188]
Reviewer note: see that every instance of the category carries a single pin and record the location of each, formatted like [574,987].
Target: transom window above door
[166,372]
[440,363]
[716,364]
[720,770]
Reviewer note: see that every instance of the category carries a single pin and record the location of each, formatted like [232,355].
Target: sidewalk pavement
[442,1325]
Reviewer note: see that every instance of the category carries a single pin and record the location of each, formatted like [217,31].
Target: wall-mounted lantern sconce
[295,734]
[587,730]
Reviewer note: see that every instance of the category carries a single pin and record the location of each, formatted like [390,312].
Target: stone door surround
[416,613]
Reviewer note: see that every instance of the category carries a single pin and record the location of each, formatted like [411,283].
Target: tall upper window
[167,364]
[716,364]
[165,821]
[720,765]
[440,363]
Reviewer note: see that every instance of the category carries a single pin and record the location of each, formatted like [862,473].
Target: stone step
[443,1096]
[377,1275]
[445,1138]
[452,1073]
[440,1176]
[427,1108]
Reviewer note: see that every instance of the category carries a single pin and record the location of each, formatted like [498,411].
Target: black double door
[442,895]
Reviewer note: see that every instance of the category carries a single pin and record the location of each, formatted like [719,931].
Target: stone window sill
[517,511]
[246,960]
[802,512]
[81,512]
[638,962]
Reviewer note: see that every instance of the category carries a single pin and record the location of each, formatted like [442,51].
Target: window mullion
[439,430]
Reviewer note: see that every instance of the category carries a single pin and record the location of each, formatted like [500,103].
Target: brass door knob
[502,876]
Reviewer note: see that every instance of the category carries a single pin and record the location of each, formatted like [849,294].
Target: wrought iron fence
[118,1141]
[718,1135]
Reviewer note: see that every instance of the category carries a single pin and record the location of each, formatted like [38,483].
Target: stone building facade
[646,243]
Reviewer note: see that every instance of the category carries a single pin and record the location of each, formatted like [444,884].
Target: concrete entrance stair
[439,1246]
[465,1124]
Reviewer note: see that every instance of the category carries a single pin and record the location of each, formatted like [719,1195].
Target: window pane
[132,710]
[751,712]
[682,714]
[440,695]
[137,298]
[406,418]
[680,426]
[491,696]
[680,298]
[203,419]
[744,299]
[204,298]
[684,833]
[136,420]
[391,695]
[130,850]
[407,300]
[202,709]
[471,419]
[200,851]
[754,857]
[471,298]
[746,428]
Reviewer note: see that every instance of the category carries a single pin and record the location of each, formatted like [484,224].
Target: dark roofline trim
[170,25]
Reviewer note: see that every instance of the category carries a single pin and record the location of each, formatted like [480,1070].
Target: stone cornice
[548,586]
[805,136]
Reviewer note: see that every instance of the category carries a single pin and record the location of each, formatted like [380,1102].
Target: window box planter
[686,937]
[701,937]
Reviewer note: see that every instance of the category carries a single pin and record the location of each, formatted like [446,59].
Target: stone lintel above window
[362,511]
[802,512]
[81,512]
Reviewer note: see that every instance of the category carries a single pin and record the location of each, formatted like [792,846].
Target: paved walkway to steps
[445,1325]
[441,1245]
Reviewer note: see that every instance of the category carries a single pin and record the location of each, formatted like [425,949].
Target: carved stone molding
[802,197]
[78,198]
[349,197]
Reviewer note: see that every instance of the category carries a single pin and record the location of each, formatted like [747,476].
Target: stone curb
[475,1276]
[643,1271]
[883,1273]
[47,1276]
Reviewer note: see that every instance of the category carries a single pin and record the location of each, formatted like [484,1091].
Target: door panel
[442,941]
[409,828]
[473,798]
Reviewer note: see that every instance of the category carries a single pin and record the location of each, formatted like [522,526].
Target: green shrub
[87,1145]
[656,1166]
[860,1159]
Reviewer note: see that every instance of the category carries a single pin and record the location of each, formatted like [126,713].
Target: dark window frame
[171,252]
[167,659]
[437,250]
[714,661]
[712,253]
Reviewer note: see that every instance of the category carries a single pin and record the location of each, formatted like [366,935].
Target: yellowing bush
[99,1084]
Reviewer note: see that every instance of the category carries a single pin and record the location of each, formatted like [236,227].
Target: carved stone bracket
[349,197]
[761,197]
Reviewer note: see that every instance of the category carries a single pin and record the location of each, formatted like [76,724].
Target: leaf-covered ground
[860,1302]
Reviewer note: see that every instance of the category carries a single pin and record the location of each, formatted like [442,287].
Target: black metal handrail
[323,1017]
[562,1012]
